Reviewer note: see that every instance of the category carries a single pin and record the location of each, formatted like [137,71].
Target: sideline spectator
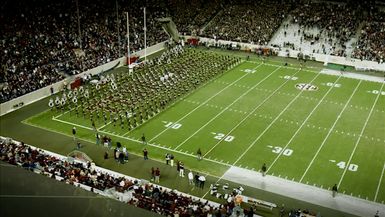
[145,154]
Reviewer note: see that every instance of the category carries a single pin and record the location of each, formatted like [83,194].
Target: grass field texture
[306,126]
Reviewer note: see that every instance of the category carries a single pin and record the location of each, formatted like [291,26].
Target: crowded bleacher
[43,42]
[371,43]
[152,197]
[248,21]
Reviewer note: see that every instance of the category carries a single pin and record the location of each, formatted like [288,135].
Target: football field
[305,126]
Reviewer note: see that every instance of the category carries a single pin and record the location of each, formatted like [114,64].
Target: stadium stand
[87,176]
[41,43]
[371,44]
[46,45]
[191,20]
[324,28]
[248,21]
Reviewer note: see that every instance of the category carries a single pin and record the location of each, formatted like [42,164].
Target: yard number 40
[351,167]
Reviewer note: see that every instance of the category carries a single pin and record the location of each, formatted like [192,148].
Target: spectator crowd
[42,41]
[248,21]
[144,195]
[371,44]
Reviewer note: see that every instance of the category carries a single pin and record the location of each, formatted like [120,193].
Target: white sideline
[303,192]
[353,75]
[186,115]
[330,131]
[303,124]
[271,124]
[227,107]
[379,183]
[359,137]
[130,139]
[247,116]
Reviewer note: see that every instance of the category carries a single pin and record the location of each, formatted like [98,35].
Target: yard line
[271,124]
[91,141]
[303,124]
[104,125]
[184,96]
[225,109]
[73,124]
[251,113]
[359,137]
[203,103]
[379,183]
[133,140]
[329,132]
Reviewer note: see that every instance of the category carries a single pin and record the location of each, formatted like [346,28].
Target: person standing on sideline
[152,174]
[190,178]
[167,158]
[78,146]
[199,154]
[263,169]
[157,175]
[74,133]
[144,140]
[202,180]
[377,214]
[145,154]
[97,139]
[177,166]
[171,160]
[196,179]
[335,190]
[181,169]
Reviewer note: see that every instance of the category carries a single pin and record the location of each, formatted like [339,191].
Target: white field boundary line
[288,67]
[271,124]
[245,118]
[379,184]
[196,108]
[138,141]
[227,107]
[91,141]
[329,132]
[303,124]
[359,137]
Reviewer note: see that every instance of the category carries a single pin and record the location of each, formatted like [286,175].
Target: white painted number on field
[377,92]
[288,77]
[249,71]
[220,136]
[330,84]
[173,125]
[278,150]
[351,167]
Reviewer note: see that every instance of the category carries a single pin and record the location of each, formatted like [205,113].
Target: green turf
[247,119]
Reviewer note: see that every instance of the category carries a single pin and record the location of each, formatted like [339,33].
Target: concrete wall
[44,92]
